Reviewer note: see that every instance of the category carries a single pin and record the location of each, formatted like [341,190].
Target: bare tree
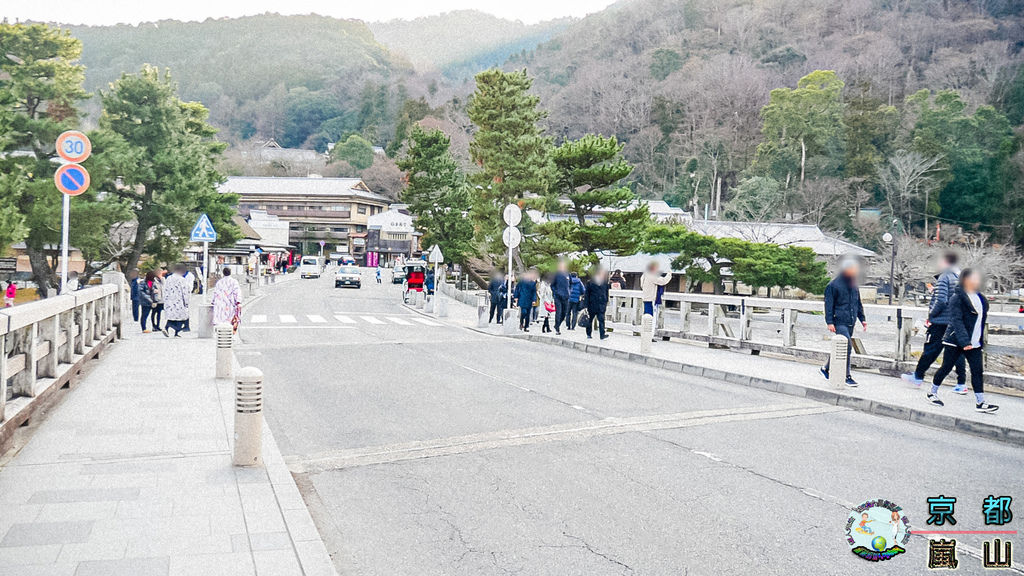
[915,261]
[822,197]
[1001,264]
[907,179]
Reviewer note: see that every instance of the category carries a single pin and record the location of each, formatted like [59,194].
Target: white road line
[287,318]
[259,318]
[344,319]
[316,319]
[372,320]
[399,321]
[425,321]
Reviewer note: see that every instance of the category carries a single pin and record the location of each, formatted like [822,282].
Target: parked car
[309,267]
[398,275]
[348,276]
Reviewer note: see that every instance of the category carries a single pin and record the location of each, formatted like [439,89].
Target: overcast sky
[135,11]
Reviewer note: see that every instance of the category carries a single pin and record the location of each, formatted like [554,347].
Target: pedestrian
[617,281]
[378,274]
[190,278]
[428,281]
[134,284]
[843,309]
[498,291]
[938,319]
[560,292]
[10,293]
[651,280]
[146,299]
[227,301]
[158,298]
[597,302]
[526,295]
[72,284]
[965,337]
[577,290]
[547,304]
[176,291]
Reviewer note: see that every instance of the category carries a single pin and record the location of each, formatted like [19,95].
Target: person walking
[651,280]
[938,320]
[547,305]
[135,286]
[498,291]
[576,292]
[227,301]
[147,299]
[10,293]
[617,281]
[843,309]
[158,298]
[176,291]
[525,294]
[597,302]
[378,274]
[560,292]
[965,337]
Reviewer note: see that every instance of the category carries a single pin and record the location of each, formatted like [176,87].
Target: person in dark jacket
[597,302]
[498,291]
[576,292]
[560,291]
[133,282]
[965,337]
[526,295]
[938,320]
[843,310]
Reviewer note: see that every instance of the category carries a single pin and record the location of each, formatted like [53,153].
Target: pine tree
[513,154]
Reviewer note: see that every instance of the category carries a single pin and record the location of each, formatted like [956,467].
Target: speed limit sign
[74,146]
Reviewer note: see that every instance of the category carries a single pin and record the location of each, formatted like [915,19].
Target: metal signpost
[322,243]
[71,179]
[437,258]
[203,232]
[511,236]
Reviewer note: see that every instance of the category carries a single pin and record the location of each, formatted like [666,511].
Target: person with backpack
[577,290]
[965,337]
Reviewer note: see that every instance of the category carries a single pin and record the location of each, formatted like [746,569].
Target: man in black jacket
[499,294]
[843,309]
[597,301]
[938,318]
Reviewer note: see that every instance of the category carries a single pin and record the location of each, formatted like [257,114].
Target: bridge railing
[45,343]
[796,327]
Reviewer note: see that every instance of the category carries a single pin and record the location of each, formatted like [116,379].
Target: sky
[135,11]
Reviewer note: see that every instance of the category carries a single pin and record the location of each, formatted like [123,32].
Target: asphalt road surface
[424,448]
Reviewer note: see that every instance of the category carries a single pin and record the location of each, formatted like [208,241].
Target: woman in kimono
[227,301]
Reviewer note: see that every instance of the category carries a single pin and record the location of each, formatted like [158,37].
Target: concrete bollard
[482,310]
[511,321]
[248,417]
[206,320]
[421,300]
[225,355]
[428,303]
[837,361]
[646,333]
[442,307]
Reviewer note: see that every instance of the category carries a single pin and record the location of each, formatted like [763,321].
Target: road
[425,448]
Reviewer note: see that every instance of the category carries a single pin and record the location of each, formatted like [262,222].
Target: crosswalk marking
[259,318]
[344,319]
[425,321]
[372,320]
[400,321]
[316,319]
[287,318]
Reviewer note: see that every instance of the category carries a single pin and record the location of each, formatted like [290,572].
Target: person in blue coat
[498,295]
[526,295]
[576,292]
[133,282]
[560,292]
[597,302]
[843,309]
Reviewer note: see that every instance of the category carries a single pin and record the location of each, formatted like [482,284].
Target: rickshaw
[415,274]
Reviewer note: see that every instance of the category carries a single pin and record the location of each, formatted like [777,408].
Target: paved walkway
[131,475]
[877,393]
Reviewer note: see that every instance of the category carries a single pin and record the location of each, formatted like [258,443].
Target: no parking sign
[71,179]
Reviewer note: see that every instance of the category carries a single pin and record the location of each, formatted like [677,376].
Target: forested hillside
[684,84]
[303,80]
[463,42]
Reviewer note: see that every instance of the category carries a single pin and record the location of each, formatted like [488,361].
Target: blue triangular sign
[203,230]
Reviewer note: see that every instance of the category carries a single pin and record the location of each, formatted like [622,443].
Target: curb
[886,409]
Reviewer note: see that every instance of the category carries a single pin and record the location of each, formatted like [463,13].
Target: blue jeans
[848,332]
[649,308]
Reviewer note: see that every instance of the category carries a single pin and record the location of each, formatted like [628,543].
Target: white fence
[46,343]
[794,327]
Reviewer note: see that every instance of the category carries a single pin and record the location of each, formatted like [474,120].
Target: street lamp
[888,238]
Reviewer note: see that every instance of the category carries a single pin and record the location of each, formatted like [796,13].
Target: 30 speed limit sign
[73,146]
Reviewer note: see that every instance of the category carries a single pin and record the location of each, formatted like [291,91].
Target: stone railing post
[67,327]
[646,333]
[745,321]
[685,313]
[49,331]
[481,310]
[789,327]
[713,311]
[904,331]
[26,343]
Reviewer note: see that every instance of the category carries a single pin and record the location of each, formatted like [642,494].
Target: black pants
[574,314]
[135,310]
[932,350]
[848,332]
[176,325]
[598,317]
[975,360]
[561,311]
[155,313]
[497,309]
[525,313]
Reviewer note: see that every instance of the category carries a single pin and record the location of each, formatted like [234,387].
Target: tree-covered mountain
[462,42]
[300,79]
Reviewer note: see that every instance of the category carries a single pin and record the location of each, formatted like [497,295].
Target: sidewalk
[131,475]
[877,394]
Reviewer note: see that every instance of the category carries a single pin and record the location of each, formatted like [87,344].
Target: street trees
[910,182]
[165,158]
[355,150]
[510,148]
[437,193]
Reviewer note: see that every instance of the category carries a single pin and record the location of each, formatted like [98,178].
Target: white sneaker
[911,379]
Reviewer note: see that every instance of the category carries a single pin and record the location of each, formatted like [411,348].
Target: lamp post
[890,239]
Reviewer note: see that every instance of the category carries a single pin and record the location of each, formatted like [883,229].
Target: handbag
[549,306]
[584,318]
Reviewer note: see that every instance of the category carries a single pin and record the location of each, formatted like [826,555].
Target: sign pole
[65,219]
[206,272]
[508,278]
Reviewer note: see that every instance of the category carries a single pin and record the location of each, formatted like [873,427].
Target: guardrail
[773,325]
[45,343]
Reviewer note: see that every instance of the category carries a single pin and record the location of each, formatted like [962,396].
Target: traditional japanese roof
[783,234]
[299,186]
